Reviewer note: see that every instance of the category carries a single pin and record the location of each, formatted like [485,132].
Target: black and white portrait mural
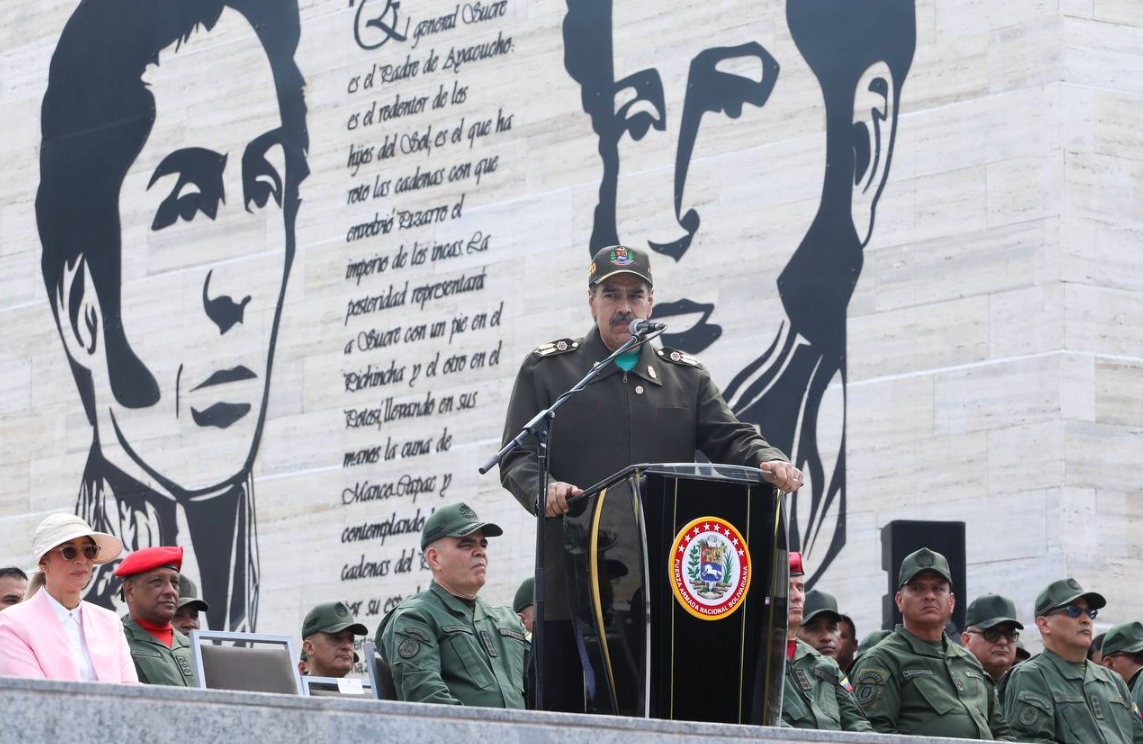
[693,132]
[139,167]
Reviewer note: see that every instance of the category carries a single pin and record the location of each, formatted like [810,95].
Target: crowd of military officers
[921,681]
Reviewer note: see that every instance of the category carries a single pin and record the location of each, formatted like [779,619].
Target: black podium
[678,578]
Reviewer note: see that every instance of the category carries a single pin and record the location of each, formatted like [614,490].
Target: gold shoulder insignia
[562,346]
[678,357]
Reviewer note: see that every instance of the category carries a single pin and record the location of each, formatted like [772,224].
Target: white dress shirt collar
[72,621]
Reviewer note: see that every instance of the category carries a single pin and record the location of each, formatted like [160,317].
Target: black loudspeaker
[901,537]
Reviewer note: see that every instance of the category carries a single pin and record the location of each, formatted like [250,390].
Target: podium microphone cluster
[640,328]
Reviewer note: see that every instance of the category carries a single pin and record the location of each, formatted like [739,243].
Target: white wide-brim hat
[56,529]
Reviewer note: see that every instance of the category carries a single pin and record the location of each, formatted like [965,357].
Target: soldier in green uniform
[524,603]
[991,633]
[1123,654]
[821,623]
[446,645]
[190,605]
[161,653]
[916,681]
[1060,696]
[817,694]
[652,405]
[868,642]
[328,634]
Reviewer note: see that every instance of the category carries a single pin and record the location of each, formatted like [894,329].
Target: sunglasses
[1074,612]
[69,552]
[992,635]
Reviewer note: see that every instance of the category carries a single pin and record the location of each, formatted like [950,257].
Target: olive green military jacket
[1047,699]
[663,410]
[908,685]
[442,649]
[155,663]
[1136,687]
[818,695]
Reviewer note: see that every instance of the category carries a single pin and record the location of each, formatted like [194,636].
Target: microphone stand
[540,426]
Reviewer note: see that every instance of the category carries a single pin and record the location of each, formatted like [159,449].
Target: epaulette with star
[561,346]
[678,357]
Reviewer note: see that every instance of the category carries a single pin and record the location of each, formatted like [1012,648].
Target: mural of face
[202,209]
[167,227]
[712,144]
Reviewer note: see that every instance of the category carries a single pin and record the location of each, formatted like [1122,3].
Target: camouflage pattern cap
[988,610]
[923,560]
[1125,638]
[619,259]
[1063,592]
[455,520]
[818,603]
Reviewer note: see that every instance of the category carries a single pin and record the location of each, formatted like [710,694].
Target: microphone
[639,328]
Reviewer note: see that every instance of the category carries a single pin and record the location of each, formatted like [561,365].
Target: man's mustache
[622,318]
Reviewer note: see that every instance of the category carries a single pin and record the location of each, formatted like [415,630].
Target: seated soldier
[327,640]
[161,653]
[446,645]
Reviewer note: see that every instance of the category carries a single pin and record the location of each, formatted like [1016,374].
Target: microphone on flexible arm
[640,328]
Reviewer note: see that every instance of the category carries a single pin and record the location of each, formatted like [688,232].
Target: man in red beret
[151,588]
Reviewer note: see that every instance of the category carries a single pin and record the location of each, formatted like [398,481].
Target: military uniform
[909,685]
[1048,699]
[443,649]
[818,695]
[155,663]
[1127,638]
[1051,699]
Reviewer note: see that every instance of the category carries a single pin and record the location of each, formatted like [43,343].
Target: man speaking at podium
[652,405]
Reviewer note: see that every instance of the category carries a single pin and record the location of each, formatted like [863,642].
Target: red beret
[796,564]
[149,558]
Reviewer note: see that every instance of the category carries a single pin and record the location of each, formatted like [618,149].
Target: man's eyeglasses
[69,552]
[992,635]
[1073,612]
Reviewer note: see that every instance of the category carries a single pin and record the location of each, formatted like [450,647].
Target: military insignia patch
[592,269]
[184,666]
[676,356]
[466,511]
[1027,715]
[651,372]
[867,691]
[621,256]
[561,346]
[709,568]
[803,680]
[925,560]
[1074,585]
[1096,708]
[844,682]
[341,610]
[408,648]
[489,646]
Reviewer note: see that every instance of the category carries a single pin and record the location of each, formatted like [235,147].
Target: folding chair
[254,663]
[380,676]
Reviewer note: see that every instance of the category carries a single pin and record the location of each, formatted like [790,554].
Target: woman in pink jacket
[52,634]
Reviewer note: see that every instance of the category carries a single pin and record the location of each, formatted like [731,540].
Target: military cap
[796,564]
[1125,638]
[1063,592]
[146,559]
[455,520]
[619,259]
[818,603]
[525,595]
[331,617]
[1022,653]
[923,560]
[188,594]
[988,610]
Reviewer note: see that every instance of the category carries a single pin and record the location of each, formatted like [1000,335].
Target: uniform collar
[923,647]
[648,368]
[456,605]
[139,633]
[803,649]
[1066,668]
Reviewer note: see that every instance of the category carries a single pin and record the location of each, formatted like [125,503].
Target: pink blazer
[33,643]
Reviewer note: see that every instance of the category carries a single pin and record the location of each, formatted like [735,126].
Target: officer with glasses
[991,632]
[1060,696]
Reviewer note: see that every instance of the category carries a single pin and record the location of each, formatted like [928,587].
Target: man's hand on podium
[782,474]
[558,495]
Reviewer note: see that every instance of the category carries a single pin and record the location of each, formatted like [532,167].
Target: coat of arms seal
[709,567]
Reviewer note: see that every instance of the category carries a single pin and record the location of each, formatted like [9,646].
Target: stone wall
[949,278]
